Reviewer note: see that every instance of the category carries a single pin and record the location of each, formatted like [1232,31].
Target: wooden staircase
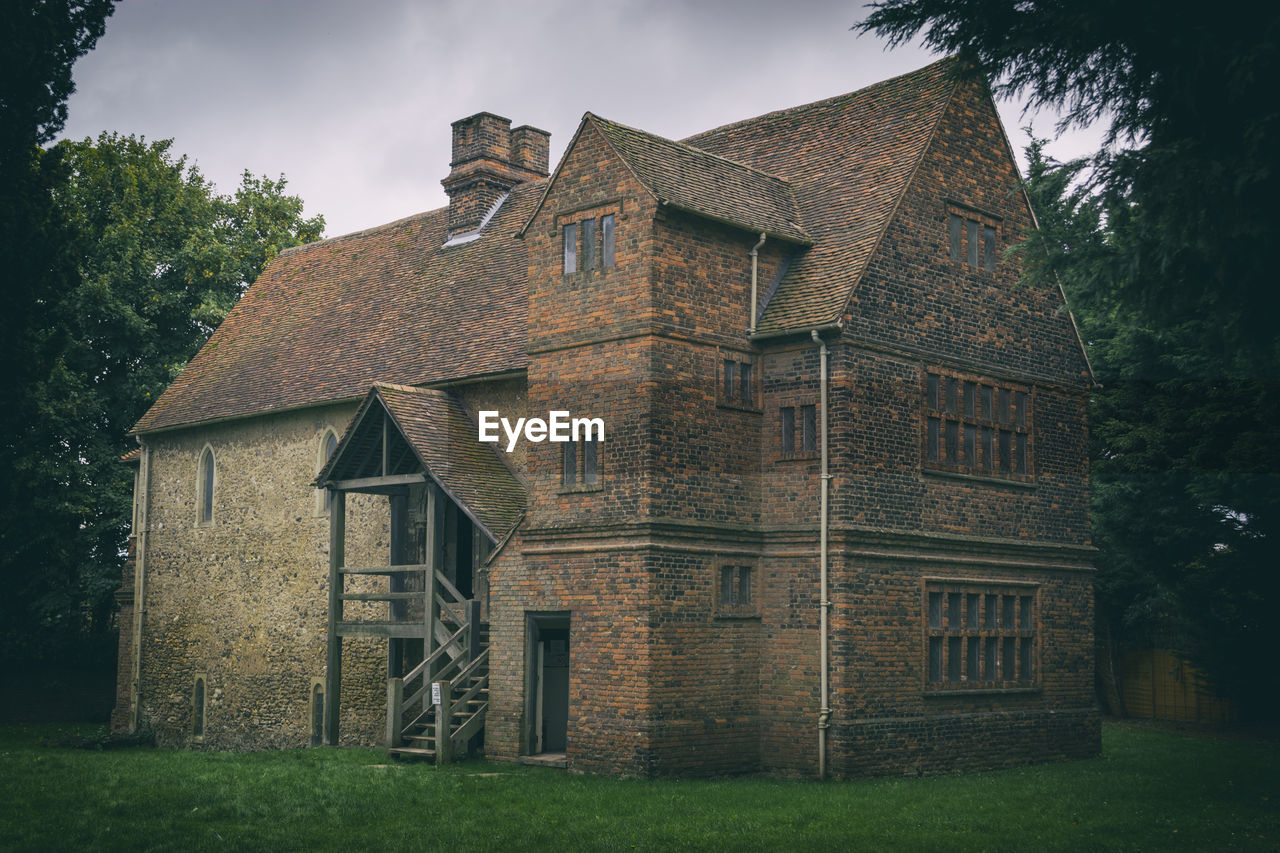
[436,711]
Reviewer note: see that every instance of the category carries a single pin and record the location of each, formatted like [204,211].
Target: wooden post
[395,701]
[429,579]
[473,629]
[444,716]
[333,655]
[399,505]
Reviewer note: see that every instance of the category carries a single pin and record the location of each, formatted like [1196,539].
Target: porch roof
[401,430]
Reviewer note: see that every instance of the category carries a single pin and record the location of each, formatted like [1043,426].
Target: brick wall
[918,309]
[660,682]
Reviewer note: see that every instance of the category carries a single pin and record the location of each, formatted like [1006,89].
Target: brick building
[836,524]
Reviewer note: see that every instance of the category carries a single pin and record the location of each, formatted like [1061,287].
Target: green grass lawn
[1150,790]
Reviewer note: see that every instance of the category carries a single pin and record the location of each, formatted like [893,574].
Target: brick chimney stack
[489,158]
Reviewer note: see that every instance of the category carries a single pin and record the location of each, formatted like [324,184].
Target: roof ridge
[821,102]
[351,235]
[681,143]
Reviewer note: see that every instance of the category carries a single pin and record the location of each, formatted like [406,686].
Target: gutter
[829,328]
[824,605]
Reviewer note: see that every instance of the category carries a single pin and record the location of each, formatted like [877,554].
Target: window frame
[199,706]
[608,241]
[589,239]
[737,380]
[950,653]
[804,415]
[578,460]
[735,588]
[315,711]
[206,486]
[963,426]
[569,259]
[588,252]
[973,237]
[324,498]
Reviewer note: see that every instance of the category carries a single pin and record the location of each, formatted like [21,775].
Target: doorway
[547,656]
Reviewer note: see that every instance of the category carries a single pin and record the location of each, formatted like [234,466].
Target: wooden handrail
[469,726]
[451,608]
[421,668]
[443,580]
[380,596]
[382,570]
[456,629]
[469,670]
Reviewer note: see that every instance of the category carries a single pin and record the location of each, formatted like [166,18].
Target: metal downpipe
[824,605]
[755,255]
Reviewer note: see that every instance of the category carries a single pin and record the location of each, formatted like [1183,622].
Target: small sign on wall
[435,693]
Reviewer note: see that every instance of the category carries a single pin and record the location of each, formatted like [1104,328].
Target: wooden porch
[427,601]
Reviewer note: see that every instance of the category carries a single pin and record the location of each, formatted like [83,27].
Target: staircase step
[412,751]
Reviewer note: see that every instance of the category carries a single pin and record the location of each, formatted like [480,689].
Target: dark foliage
[1188,95]
[1186,495]
[120,260]
[1162,240]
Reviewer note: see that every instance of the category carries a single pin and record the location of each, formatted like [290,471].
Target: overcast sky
[352,101]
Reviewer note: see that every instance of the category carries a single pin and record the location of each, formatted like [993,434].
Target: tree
[40,41]
[1191,168]
[1162,240]
[1186,498]
[151,258]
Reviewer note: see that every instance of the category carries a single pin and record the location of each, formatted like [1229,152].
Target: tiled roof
[392,304]
[389,303]
[848,160]
[444,440]
[702,183]
[132,456]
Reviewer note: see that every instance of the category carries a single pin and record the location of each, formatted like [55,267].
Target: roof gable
[848,160]
[706,184]
[701,183]
[402,430]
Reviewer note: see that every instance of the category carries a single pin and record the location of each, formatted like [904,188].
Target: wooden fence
[1160,684]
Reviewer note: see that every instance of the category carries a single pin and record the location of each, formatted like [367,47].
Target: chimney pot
[489,158]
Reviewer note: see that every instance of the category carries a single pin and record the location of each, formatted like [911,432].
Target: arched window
[206,475]
[317,713]
[328,444]
[197,708]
